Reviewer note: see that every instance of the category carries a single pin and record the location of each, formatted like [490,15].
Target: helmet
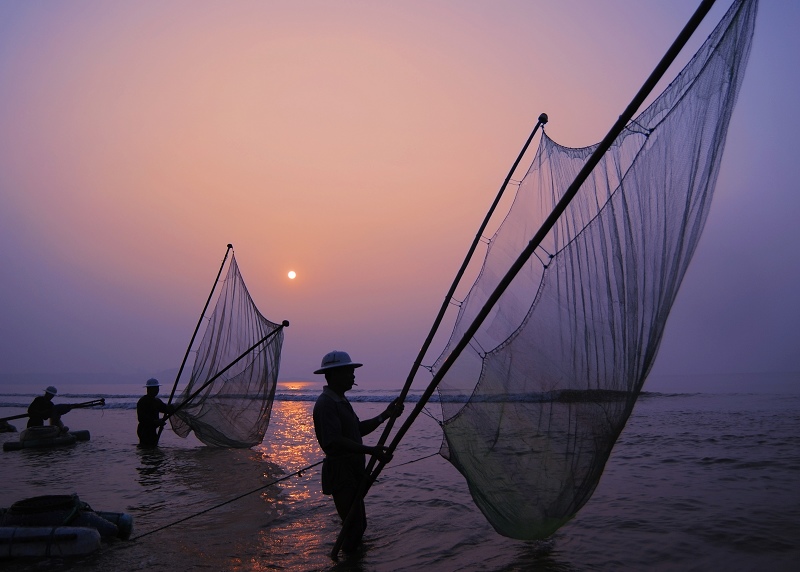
[152,382]
[51,390]
[335,359]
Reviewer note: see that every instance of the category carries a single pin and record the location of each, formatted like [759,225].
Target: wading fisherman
[339,433]
[147,409]
[42,408]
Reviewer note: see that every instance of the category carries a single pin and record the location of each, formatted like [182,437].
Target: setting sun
[292,274]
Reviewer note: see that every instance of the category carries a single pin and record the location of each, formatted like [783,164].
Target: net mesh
[533,406]
[234,409]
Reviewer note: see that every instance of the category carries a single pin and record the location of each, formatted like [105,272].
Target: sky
[360,145]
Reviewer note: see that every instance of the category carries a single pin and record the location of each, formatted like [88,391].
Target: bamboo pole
[194,335]
[459,275]
[542,120]
[284,324]
[72,406]
[547,225]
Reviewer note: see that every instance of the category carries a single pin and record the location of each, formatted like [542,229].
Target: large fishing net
[232,409]
[533,406]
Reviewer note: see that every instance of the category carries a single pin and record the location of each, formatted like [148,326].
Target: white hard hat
[51,390]
[152,382]
[335,359]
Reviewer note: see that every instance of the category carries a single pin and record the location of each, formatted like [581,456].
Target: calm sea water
[696,482]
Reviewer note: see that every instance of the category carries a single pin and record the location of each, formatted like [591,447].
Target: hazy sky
[359,144]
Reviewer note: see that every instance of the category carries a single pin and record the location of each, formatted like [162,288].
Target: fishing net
[232,409]
[532,407]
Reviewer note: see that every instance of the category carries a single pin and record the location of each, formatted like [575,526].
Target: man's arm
[395,409]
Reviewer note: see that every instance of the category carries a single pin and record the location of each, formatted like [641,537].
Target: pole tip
[543,118]
[230,245]
[285,323]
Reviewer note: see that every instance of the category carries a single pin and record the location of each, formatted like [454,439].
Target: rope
[299,472]
[427,412]
[414,461]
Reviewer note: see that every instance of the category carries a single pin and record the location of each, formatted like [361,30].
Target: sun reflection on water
[292,444]
[290,438]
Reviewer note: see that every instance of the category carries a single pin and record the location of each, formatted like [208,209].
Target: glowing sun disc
[292,274]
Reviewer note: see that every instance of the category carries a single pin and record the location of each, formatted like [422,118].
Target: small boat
[58,525]
[45,438]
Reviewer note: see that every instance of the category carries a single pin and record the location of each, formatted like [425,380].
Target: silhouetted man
[339,433]
[147,409]
[42,408]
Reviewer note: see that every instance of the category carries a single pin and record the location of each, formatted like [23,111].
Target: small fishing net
[232,409]
[534,405]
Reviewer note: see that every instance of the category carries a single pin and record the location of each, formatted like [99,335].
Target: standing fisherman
[147,409]
[339,433]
